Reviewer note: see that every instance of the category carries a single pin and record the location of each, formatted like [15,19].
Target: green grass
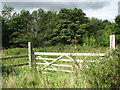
[25,77]
[63,49]
[14,52]
[71,49]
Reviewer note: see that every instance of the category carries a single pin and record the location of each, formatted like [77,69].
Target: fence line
[18,65]
[32,57]
[13,57]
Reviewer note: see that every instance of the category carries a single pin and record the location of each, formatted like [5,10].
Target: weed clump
[105,72]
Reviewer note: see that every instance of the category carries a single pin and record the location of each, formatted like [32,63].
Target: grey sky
[119,8]
[56,5]
[101,10]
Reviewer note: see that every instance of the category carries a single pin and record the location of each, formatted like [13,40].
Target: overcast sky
[102,10]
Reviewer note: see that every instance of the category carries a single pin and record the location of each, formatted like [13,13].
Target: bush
[105,72]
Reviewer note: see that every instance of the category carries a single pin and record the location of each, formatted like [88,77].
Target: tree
[45,28]
[46,24]
[7,12]
[22,33]
[117,29]
[5,33]
[117,19]
[67,25]
[6,15]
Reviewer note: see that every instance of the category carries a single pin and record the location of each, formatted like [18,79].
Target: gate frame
[32,54]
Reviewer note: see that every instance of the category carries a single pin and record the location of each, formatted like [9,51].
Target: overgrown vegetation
[48,28]
[26,78]
[105,72]
[101,74]
[64,31]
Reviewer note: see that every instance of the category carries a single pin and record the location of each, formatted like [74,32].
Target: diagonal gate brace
[52,62]
[73,59]
[47,62]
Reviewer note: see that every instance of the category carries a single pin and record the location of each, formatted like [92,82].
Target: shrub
[105,72]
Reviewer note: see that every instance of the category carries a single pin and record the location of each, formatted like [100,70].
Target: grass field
[25,77]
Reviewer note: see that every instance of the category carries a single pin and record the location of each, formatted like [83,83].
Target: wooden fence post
[30,52]
[112,41]
[34,60]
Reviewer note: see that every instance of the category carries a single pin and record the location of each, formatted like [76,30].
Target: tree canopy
[46,28]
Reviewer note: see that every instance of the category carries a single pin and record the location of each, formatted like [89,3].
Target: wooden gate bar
[73,54]
[52,62]
[55,65]
[54,69]
[51,59]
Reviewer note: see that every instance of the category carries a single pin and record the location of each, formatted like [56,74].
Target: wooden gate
[48,63]
[61,57]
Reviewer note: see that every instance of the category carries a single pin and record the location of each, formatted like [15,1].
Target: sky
[106,9]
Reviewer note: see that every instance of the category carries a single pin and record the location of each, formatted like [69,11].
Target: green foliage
[117,19]
[67,25]
[105,72]
[47,28]
[101,74]
[27,78]
[6,12]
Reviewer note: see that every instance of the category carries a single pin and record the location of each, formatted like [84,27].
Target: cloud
[108,12]
[35,9]
[55,5]
[0,4]
[119,8]
[101,10]
[60,0]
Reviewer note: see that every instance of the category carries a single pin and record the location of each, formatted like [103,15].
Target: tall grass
[14,52]
[72,49]
[102,74]
[68,49]
[27,78]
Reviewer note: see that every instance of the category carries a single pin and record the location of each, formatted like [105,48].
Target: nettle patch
[104,73]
